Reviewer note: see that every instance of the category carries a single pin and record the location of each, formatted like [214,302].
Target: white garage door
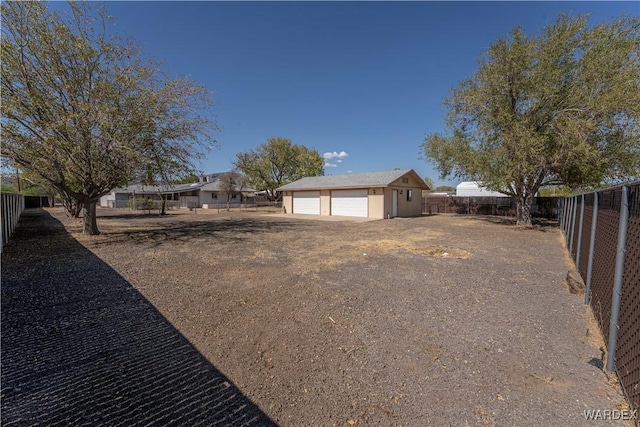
[350,203]
[306,202]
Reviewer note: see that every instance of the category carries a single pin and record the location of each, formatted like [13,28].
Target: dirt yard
[440,320]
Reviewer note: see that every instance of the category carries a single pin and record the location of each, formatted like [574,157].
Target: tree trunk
[76,209]
[523,210]
[90,225]
[71,205]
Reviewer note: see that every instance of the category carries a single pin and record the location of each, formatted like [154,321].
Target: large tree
[278,162]
[231,184]
[559,108]
[86,111]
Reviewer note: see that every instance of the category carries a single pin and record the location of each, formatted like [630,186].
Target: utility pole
[18,179]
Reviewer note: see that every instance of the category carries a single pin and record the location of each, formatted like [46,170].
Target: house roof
[175,188]
[215,186]
[352,180]
[155,189]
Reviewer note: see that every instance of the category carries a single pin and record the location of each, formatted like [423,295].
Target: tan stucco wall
[411,184]
[406,208]
[287,202]
[379,199]
[376,203]
[388,212]
[325,202]
[409,208]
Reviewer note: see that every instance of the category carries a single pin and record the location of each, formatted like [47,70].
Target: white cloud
[335,155]
[339,161]
[330,165]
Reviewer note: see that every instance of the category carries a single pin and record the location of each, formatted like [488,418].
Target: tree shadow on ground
[540,224]
[81,346]
[223,230]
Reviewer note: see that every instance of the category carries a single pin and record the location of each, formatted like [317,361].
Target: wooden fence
[545,207]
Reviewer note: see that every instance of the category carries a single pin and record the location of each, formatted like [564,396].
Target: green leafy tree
[429,183]
[232,183]
[278,162]
[188,179]
[555,191]
[85,111]
[7,188]
[446,188]
[26,183]
[562,108]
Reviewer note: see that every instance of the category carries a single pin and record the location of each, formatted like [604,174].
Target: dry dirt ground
[431,321]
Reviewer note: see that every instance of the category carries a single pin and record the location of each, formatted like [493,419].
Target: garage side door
[306,202]
[350,203]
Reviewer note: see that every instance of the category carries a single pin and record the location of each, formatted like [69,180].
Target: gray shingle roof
[148,189]
[352,180]
[215,186]
[176,188]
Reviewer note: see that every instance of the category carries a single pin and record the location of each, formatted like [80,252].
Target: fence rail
[250,207]
[602,231]
[12,207]
[154,204]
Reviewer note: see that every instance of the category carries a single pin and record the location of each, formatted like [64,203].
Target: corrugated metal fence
[602,232]
[12,207]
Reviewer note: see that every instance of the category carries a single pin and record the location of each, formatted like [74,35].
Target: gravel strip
[80,346]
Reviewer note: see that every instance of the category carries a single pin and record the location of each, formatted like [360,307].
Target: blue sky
[365,79]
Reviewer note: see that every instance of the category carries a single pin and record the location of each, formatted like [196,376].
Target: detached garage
[306,202]
[367,195]
[350,203]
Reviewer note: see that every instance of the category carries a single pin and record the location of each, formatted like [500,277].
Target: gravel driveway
[434,321]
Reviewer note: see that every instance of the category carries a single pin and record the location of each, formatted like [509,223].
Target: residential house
[203,194]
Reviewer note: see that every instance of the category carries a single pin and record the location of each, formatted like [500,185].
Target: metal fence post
[592,245]
[579,245]
[567,208]
[572,225]
[568,219]
[559,211]
[566,216]
[616,298]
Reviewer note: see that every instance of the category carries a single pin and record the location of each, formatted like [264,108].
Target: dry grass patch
[442,251]
[438,251]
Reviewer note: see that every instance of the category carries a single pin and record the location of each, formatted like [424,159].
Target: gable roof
[163,189]
[175,188]
[217,186]
[352,180]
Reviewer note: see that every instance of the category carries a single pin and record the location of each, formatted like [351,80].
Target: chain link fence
[602,231]
[150,205]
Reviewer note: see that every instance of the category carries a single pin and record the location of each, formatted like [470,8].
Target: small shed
[387,194]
